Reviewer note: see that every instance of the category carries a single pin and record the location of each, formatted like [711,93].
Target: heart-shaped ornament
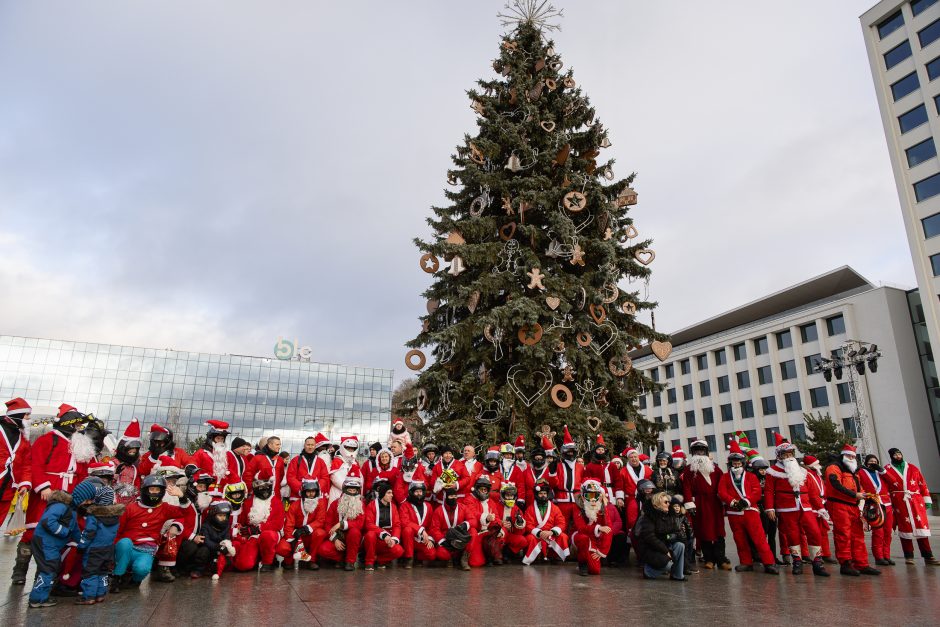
[542,380]
[472,301]
[604,336]
[548,125]
[631,232]
[455,238]
[506,231]
[662,350]
[645,256]
[597,312]
[552,302]
[594,423]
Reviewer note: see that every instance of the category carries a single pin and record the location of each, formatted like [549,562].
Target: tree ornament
[569,82]
[574,201]
[536,13]
[506,231]
[415,359]
[577,256]
[620,365]
[550,84]
[547,126]
[645,256]
[429,263]
[608,174]
[556,65]
[456,266]
[626,198]
[597,313]
[483,374]
[569,374]
[425,326]
[535,279]
[422,400]
[432,305]
[605,334]
[507,205]
[552,302]
[480,203]
[536,92]
[473,300]
[495,338]
[611,293]
[543,379]
[452,178]
[489,411]
[602,398]
[530,334]
[559,346]
[561,396]
[507,258]
[564,323]
[628,308]
[584,339]
[605,143]
[583,299]
[662,350]
[477,106]
[594,423]
[455,238]
[476,155]
[561,157]
[514,164]
[608,234]
[589,395]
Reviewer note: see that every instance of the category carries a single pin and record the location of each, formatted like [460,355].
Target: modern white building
[753,369]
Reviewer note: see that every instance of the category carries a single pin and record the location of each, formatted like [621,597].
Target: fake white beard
[260,510]
[796,474]
[82,447]
[219,459]
[309,505]
[349,507]
[592,509]
[203,499]
[408,476]
[850,462]
[507,464]
[325,456]
[701,464]
[737,472]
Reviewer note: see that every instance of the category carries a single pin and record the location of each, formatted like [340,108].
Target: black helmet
[429,447]
[645,484]
[663,455]
[482,482]
[759,463]
[161,442]
[380,488]
[262,489]
[309,485]
[96,430]
[217,508]
[152,481]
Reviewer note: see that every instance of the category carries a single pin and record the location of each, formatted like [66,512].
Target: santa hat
[627,452]
[520,443]
[17,407]
[779,439]
[600,441]
[812,462]
[64,408]
[219,426]
[698,443]
[353,477]
[782,444]
[321,440]
[677,452]
[166,465]
[547,444]
[132,434]
[568,441]
[396,420]
[349,441]
[409,451]
[848,449]
[616,460]
[96,469]
[492,452]
[735,450]
[155,428]
[644,458]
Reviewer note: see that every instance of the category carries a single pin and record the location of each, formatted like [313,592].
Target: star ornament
[537,13]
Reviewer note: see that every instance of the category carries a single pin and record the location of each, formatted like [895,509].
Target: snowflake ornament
[538,13]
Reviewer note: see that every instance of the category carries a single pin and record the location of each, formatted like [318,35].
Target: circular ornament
[584,339]
[530,335]
[620,366]
[560,390]
[575,201]
[411,356]
[429,263]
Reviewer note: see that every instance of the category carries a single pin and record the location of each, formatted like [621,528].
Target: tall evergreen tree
[825,438]
[538,237]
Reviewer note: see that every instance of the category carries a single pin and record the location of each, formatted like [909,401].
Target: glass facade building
[179,389]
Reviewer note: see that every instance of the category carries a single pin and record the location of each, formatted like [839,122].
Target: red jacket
[190,520]
[234,474]
[749,492]
[709,519]
[260,461]
[479,511]
[628,479]
[273,522]
[393,529]
[568,481]
[533,476]
[443,519]
[433,487]
[609,476]
[553,520]
[53,465]
[332,517]
[874,483]
[143,524]
[388,474]
[521,478]
[506,517]
[414,521]
[780,496]
[467,472]
[402,482]
[147,462]
[300,470]
[15,467]
[296,517]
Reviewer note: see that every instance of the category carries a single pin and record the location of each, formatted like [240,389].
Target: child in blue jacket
[97,545]
[57,527]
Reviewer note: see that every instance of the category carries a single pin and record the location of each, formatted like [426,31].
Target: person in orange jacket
[844,493]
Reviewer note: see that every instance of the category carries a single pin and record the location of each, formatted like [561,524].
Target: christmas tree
[826,439]
[527,321]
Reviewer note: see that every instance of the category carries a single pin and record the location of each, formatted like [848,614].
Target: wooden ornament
[488,334]
[530,334]
[608,234]
[628,308]
[510,46]
[455,238]
[552,85]
[507,205]
[421,400]
[476,155]
[662,350]
[627,197]
[550,51]
[514,164]
[603,221]
[432,305]
[556,65]
[452,178]
[619,366]
[425,326]
[583,339]
[473,300]
[552,302]
[506,231]
[477,106]
[548,126]
[608,174]
[513,98]
[559,346]
[569,83]
[574,201]
[562,396]
[569,374]
[597,313]
[594,423]
[561,157]
[611,293]
[539,65]
[605,143]
[631,232]
[577,256]
[429,263]
[645,256]
[410,358]
[536,92]
[535,279]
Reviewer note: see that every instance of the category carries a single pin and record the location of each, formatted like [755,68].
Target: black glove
[306,530]
[520,521]
[299,531]
[254,530]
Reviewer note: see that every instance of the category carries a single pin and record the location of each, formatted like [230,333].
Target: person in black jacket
[659,540]
[214,539]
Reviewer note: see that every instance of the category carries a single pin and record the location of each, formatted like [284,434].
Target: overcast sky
[211,175]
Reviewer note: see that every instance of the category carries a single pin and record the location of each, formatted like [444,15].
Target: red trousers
[412,549]
[488,547]
[881,537]
[556,547]
[570,510]
[922,543]
[353,539]
[585,542]
[848,533]
[309,542]
[378,551]
[749,527]
[792,523]
[246,555]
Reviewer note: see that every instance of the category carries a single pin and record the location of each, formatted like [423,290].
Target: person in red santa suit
[634,471]
[910,498]
[429,454]
[791,500]
[305,527]
[700,482]
[313,463]
[479,507]
[416,540]
[511,471]
[161,443]
[740,493]
[537,469]
[343,463]
[215,458]
[385,470]
[545,527]
[454,528]
[594,529]
[382,530]
[446,462]
[569,475]
[511,535]
[814,472]
[16,473]
[261,522]
[845,494]
[606,472]
[345,520]
[871,477]
[267,458]
[467,469]
[127,474]
[491,469]
[409,472]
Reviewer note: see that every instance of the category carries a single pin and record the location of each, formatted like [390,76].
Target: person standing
[740,492]
[569,475]
[307,466]
[845,493]
[871,476]
[700,482]
[910,497]
[16,473]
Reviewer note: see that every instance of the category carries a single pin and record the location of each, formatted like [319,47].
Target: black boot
[868,570]
[771,569]
[818,569]
[164,575]
[797,566]
[23,554]
[848,569]
[349,566]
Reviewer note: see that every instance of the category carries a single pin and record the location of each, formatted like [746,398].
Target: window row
[818,397]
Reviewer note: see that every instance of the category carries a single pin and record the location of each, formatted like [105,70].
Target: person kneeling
[382,538]
[345,521]
[595,528]
[659,542]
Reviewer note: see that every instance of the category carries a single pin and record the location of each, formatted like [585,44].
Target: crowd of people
[100,522]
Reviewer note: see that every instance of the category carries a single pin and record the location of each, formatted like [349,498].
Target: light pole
[851,359]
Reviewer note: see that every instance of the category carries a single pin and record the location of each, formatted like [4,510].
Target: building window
[919,6]
[769,435]
[913,118]
[811,361]
[797,432]
[890,24]
[929,33]
[675,443]
[705,388]
[818,397]
[690,418]
[760,346]
[723,384]
[727,414]
[641,402]
[654,374]
[658,419]
[747,409]
[784,340]
[708,416]
[671,395]
[787,369]
[768,406]
[897,54]
[710,440]
[670,371]
[935,264]
[933,68]
[752,437]
[931,225]
[808,332]
[927,188]
[918,153]
[740,351]
[845,395]
[689,443]
[764,375]
[720,357]
[685,366]
[905,86]
[674,421]
[687,392]
[848,426]
[657,399]
[792,401]
[835,325]
[744,380]
[701,362]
